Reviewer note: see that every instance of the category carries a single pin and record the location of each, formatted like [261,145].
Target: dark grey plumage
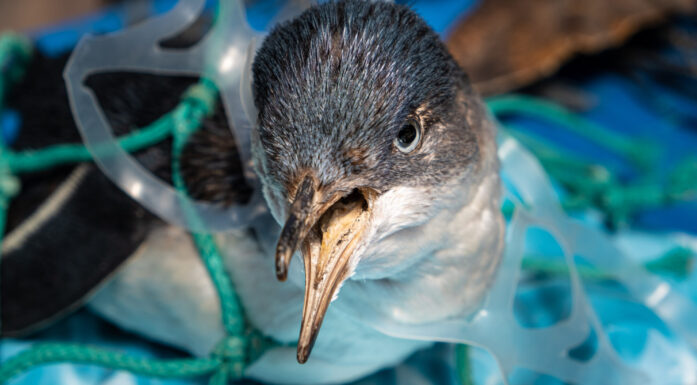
[211,167]
[335,86]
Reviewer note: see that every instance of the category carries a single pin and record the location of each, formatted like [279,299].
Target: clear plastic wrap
[546,350]
[224,56]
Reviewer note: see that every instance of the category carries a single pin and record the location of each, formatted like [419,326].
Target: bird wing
[70,227]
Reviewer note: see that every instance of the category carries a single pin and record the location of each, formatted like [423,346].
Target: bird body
[370,142]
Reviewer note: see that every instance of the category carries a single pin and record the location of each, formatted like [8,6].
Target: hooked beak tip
[281,264]
[296,227]
[303,354]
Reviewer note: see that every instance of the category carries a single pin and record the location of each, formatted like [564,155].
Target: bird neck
[452,278]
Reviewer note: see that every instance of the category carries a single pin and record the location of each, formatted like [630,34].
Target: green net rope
[590,184]
[203,95]
[641,153]
[48,353]
[15,53]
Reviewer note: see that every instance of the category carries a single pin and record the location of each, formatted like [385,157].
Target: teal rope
[62,154]
[233,348]
[642,153]
[51,353]
[233,321]
[15,53]
[682,182]
[555,157]
[463,365]
[187,125]
[594,185]
[676,262]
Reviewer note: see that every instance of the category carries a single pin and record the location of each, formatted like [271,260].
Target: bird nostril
[355,196]
[348,203]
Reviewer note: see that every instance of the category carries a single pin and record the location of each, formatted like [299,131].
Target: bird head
[366,128]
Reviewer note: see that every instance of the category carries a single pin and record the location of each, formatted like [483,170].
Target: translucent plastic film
[224,55]
[546,350]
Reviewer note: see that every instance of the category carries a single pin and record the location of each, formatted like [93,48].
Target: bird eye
[408,137]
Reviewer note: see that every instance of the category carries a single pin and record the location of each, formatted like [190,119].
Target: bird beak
[328,233]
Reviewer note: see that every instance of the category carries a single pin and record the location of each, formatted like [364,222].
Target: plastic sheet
[224,55]
[546,350]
